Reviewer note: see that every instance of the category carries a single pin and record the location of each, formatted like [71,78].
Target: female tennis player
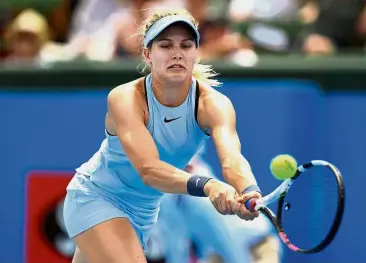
[154,126]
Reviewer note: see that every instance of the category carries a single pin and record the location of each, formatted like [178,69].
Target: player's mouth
[176,67]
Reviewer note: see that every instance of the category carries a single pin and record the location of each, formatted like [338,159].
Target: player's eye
[166,45]
[186,45]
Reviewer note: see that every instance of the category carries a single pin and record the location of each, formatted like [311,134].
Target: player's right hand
[241,211]
[222,196]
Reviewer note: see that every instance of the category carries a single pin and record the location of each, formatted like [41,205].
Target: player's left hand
[241,211]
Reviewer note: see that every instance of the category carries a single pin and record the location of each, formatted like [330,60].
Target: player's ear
[147,55]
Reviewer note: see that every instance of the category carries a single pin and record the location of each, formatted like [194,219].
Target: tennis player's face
[173,54]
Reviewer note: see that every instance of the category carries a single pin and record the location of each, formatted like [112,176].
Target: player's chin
[177,76]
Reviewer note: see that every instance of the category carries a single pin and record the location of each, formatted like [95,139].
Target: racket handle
[250,204]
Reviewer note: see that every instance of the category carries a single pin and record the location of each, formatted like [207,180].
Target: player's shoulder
[210,96]
[127,92]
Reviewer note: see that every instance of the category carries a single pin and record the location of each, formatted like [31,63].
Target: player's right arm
[125,107]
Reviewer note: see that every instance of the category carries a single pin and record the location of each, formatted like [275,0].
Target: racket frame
[279,195]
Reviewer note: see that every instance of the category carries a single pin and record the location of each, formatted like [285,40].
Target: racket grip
[250,204]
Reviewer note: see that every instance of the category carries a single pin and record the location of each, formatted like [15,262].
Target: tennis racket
[310,211]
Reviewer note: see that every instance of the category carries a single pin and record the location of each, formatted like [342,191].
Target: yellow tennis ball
[283,166]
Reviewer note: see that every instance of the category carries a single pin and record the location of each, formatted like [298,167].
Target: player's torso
[175,130]
[177,137]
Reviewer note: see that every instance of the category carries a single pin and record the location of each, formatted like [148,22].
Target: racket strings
[311,206]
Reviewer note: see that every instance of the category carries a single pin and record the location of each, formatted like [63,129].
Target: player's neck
[170,94]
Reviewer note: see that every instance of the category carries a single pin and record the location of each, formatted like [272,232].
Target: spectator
[26,36]
[243,10]
[272,26]
[219,42]
[339,26]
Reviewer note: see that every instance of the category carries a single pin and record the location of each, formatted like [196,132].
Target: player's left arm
[218,115]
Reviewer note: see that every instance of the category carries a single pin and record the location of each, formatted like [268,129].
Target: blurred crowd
[239,30]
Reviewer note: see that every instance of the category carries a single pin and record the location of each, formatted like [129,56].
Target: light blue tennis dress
[108,186]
